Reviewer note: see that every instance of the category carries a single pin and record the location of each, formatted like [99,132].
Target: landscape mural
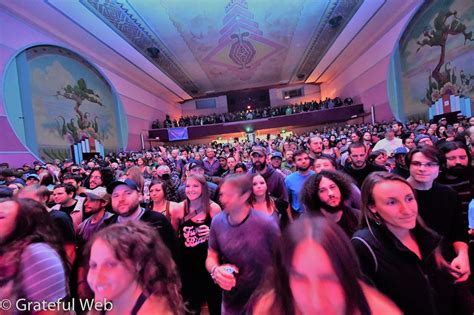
[71,101]
[436,55]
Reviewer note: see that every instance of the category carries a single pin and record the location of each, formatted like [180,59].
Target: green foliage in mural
[82,126]
[50,154]
[443,79]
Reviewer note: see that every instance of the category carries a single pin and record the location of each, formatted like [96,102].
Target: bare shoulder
[155,305]
[177,210]
[215,209]
[379,303]
[264,304]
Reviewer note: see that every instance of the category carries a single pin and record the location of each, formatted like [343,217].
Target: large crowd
[355,219]
[251,113]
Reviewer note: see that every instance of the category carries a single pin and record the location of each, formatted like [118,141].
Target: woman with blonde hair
[130,266]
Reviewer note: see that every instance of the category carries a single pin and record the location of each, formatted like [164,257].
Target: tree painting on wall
[435,56]
[71,101]
[82,126]
[443,79]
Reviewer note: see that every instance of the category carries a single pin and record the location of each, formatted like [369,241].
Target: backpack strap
[370,250]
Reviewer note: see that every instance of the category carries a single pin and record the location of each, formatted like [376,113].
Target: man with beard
[324,194]
[294,182]
[457,173]
[126,206]
[315,144]
[289,161]
[94,207]
[274,179]
[359,168]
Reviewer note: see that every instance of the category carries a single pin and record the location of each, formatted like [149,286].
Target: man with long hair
[325,193]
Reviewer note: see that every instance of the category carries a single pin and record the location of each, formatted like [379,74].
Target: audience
[154,219]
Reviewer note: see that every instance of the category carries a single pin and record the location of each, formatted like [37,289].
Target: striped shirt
[42,274]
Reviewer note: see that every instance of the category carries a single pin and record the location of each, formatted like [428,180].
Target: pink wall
[311,91]
[361,71]
[141,99]
[189,108]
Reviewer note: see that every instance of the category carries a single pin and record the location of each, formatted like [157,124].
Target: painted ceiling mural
[212,46]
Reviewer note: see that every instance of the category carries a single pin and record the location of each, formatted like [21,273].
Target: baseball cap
[400,150]
[33,175]
[277,154]
[98,193]
[420,127]
[130,183]
[259,150]
[419,137]
[196,164]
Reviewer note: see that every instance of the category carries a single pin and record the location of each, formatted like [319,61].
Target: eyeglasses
[429,164]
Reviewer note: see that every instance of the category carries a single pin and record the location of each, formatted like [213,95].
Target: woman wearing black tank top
[192,220]
[159,199]
[131,269]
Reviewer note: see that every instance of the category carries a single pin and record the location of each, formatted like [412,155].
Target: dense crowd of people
[251,113]
[356,219]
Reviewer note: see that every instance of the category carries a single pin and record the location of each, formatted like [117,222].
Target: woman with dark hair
[261,200]
[441,132]
[356,136]
[240,168]
[316,272]
[192,220]
[160,198]
[130,266]
[29,238]
[330,150]
[142,164]
[397,252]
[379,158]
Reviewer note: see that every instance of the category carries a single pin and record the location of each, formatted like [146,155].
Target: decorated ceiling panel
[212,46]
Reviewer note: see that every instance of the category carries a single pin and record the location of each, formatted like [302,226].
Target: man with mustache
[275,180]
[457,172]
[294,182]
[325,193]
[126,197]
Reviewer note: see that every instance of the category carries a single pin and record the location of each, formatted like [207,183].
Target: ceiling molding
[80,15]
[366,11]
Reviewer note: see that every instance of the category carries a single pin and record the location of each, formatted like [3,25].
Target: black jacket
[416,286]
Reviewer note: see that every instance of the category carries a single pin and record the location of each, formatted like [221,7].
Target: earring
[378,219]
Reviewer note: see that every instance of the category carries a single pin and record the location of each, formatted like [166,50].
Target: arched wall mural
[55,98]
[434,57]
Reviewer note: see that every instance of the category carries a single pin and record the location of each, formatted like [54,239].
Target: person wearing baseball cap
[223,169]
[32,179]
[423,139]
[125,201]
[95,213]
[276,159]
[274,179]
[400,165]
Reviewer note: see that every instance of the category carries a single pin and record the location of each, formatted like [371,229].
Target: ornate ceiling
[212,46]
